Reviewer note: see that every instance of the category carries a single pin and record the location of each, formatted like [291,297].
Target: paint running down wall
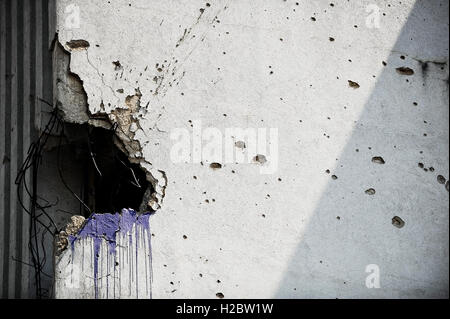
[109,258]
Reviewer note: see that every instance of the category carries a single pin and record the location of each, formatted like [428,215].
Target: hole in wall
[110,181]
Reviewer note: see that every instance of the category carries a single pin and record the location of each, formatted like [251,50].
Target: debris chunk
[72,228]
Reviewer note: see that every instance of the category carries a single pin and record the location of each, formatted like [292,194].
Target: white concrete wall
[295,232]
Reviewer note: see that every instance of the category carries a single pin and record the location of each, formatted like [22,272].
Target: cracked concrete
[71,100]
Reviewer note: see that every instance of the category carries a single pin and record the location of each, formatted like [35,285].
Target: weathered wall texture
[341,89]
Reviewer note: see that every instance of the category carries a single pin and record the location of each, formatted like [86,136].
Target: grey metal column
[25,76]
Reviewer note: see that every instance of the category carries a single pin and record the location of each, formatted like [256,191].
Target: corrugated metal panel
[25,75]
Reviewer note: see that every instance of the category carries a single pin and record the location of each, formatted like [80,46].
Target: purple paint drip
[105,227]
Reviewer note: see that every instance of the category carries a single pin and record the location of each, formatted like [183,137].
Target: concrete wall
[320,215]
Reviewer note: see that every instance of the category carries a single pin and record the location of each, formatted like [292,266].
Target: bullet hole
[117,65]
[279,179]
[194,177]
[338,217]
[207,4]
[240,144]
[116,263]
[370,191]
[260,159]
[402,57]
[447,186]
[353,84]
[415,103]
[120,91]
[421,165]
[331,39]
[398,222]
[405,71]
[184,237]
[220,295]
[431,169]
[313,19]
[378,160]
[327,171]
[384,63]
[441,179]
[334,177]
[215,165]
[218,281]
[78,44]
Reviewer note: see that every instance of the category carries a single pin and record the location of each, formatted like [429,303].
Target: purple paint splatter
[105,227]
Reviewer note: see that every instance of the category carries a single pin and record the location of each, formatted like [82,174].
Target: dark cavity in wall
[110,182]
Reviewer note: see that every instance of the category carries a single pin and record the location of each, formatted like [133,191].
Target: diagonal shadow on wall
[405,121]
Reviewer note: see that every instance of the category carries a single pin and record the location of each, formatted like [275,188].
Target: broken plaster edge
[157,178]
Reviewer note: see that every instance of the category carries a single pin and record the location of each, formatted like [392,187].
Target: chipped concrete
[72,228]
[71,100]
[152,67]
